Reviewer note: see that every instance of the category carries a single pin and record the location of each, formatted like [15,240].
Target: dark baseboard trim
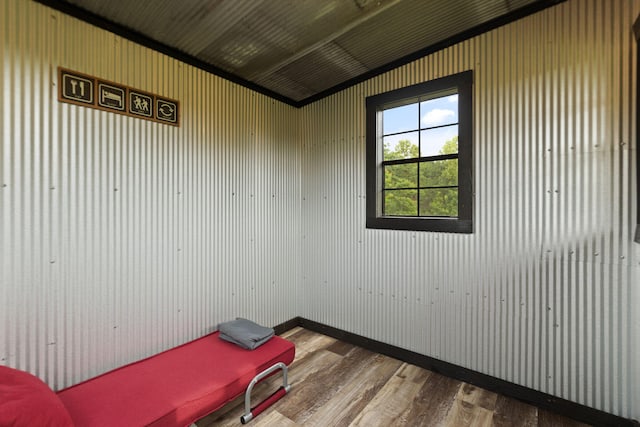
[542,400]
[286,326]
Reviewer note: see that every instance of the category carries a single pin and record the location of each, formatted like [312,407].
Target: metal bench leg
[250,413]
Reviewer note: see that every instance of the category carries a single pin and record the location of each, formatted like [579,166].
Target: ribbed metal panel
[121,237]
[275,43]
[429,23]
[545,292]
[243,36]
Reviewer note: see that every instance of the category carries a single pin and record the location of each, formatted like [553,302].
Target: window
[419,157]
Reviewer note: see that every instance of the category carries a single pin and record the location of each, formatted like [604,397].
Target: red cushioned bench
[177,387]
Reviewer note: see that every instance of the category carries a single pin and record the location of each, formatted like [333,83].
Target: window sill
[445,225]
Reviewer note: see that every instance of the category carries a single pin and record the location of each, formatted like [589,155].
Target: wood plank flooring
[338,384]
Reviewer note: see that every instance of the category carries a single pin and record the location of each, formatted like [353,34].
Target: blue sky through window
[404,121]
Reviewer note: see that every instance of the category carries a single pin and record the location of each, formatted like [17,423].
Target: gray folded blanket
[245,333]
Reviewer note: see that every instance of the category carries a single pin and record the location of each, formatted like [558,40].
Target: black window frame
[462,84]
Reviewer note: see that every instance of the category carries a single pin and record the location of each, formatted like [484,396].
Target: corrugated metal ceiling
[299,50]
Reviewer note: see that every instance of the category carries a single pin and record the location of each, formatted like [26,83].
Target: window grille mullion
[420,159]
[419,155]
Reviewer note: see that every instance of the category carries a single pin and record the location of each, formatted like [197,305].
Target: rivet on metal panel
[115,189]
[53,261]
[596,254]
[52,188]
[4,185]
[622,144]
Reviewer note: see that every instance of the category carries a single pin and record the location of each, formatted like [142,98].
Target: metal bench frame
[250,412]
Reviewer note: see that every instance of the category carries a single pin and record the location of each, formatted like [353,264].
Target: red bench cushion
[173,388]
[26,401]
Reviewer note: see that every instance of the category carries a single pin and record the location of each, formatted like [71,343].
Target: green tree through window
[404,195]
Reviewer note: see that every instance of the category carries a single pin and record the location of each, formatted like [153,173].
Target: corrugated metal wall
[545,292]
[120,237]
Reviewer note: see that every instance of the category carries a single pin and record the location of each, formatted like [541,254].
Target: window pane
[439,202]
[438,141]
[401,176]
[403,146]
[439,111]
[400,119]
[439,173]
[400,202]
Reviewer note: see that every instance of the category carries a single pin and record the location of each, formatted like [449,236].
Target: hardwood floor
[338,384]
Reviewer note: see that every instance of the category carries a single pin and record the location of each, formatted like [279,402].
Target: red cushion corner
[25,401]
